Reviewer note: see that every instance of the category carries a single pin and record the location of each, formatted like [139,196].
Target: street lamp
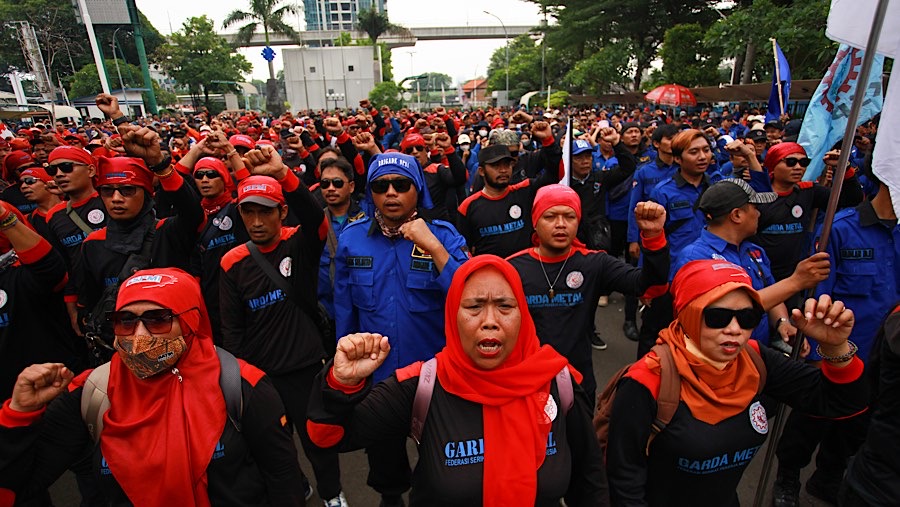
[121,83]
[506,35]
[336,97]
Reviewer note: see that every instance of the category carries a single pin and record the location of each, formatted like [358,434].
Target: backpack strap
[669,392]
[422,401]
[230,382]
[76,219]
[95,401]
[564,387]
[760,367]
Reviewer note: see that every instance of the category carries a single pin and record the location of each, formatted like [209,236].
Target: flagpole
[778,75]
[836,185]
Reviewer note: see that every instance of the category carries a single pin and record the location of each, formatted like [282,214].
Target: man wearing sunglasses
[15,162]
[392,273]
[732,216]
[267,296]
[784,225]
[35,184]
[440,179]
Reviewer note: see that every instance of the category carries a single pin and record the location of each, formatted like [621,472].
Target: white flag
[886,158]
[566,156]
[850,21]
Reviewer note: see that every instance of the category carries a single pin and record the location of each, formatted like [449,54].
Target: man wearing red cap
[35,184]
[268,296]
[15,162]
[440,179]
[563,279]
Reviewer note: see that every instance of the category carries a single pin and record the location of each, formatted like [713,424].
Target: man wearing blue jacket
[392,273]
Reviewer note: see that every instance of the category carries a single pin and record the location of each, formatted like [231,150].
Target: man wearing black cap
[774,132]
[758,137]
[730,208]
[495,219]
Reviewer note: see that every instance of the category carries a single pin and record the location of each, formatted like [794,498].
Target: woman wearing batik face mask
[505,423]
[159,411]
[728,385]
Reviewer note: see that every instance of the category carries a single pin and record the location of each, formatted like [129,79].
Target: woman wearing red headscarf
[165,440]
[784,225]
[721,419]
[498,430]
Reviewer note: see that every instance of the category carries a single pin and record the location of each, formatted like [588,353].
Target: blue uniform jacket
[645,178]
[865,257]
[392,287]
[617,209]
[326,290]
[747,255]
[683,222]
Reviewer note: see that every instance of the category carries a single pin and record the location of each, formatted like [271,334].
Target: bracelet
[163,164]
[120,120]
[10,220]
[839,359]
[166,174]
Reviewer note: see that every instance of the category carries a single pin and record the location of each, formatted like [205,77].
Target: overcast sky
[461,60]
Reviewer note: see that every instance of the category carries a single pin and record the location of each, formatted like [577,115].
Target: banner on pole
[850,21]
[781,86]
[826,118]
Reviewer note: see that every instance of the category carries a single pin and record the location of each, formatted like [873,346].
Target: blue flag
[782,71]
[826,118]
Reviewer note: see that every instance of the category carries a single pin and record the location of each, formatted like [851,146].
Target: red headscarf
[555,195]
[411,140]
[212,206]
[711,394]
[123,171]
[73,153]
[160,433]
[778,153]
[14,160]
[513,395]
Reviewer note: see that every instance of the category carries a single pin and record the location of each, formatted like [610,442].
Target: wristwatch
[164,164]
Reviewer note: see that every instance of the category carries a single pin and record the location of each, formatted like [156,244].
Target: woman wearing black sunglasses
[167,421]
[728,385]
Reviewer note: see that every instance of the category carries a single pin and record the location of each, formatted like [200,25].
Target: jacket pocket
[362,288]
[856,278]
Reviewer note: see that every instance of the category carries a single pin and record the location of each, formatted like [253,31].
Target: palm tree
[268,14]
[375,23]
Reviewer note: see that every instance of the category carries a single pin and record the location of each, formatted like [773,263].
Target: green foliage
[376,23]
[797,27]
[197,56]
[432,81]
[524,67]
[609,69]
[267,15]
[559,98]
[385,94]
[86,82]
[687,60]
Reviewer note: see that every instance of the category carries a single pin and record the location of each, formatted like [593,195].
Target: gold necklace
[551,292]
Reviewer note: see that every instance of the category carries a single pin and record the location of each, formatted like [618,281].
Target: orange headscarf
[712,395]
[160,433]
[513,395]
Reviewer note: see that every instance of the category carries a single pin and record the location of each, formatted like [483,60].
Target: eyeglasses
[413,148]
[156,321]
[125,190]
[209,173]
[337,182]
[28,180]
[718,318]
[65,167]
[791,162]
[401,185]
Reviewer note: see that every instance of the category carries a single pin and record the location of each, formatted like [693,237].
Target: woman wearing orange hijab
[166,440]
[497,431]
[721,420]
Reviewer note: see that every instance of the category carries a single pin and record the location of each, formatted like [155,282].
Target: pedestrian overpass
[319,38]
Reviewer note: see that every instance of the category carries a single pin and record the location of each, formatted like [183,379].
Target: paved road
[354,466]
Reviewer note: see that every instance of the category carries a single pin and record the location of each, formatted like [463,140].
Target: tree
[375,24]
[609,69]
[268,14]
[197,57]
[524,67]
[386,94]
[687,59]
[86,82]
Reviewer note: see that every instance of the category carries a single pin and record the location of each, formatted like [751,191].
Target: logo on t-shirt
[284,267]
[95,216]
[4,298]
[551,408]
[515,211]
[223,224]
[574,279]
[758,418]
[797,211]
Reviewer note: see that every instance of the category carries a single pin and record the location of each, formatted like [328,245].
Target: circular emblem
[225,224]
[96,216]
[3,298]
[758,418]
[515,211]
[797,211]
[551,409]
[284,267]
[574,279]
[216,222]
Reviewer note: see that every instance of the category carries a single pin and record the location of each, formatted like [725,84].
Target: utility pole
[142,55]
[505,34]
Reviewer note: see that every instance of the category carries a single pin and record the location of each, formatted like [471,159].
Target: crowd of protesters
[304,240]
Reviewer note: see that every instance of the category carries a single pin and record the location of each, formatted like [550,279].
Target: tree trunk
[380,70]
[736,69]
[749,61]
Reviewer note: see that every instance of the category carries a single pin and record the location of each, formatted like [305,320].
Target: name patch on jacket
[359,262]
[861,254]
[680,204]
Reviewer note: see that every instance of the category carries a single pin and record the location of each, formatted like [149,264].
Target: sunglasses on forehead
[791,162]
[207,173]
[125,190]
[64,167]
[401,185]
[719,318]
[326,183]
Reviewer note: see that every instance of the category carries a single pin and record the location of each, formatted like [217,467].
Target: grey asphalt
[354,466]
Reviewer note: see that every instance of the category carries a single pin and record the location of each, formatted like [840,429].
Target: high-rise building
[336,14]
